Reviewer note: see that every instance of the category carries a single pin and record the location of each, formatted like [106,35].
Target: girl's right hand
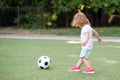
[99,39]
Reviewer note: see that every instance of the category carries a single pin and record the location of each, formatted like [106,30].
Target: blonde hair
[79,20]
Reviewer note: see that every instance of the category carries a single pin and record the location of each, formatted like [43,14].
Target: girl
[81,21]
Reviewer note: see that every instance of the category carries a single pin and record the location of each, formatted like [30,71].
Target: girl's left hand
[84,44]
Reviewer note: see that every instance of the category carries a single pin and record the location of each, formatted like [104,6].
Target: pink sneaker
[74,68]
[88,70]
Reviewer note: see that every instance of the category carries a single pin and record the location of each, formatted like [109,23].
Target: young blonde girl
[81,21]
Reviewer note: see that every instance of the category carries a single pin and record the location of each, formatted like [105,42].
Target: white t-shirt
[87,28]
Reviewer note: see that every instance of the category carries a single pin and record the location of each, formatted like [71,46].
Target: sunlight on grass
[72,56]
[111,61]
[112,46]
[73,42]
[109,46]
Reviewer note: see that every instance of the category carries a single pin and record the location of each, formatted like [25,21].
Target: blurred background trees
[57,13]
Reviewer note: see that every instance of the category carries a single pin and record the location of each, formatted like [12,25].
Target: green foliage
[30,20]
[63,6]
[67,5]
[113,7]
[49,19]
[1,3]
[110,6]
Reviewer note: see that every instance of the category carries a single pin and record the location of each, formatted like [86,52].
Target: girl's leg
[77,66]
[79,63]
[87,63]
[88,69]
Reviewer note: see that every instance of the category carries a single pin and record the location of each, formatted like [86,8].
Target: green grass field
[18,60]
[103,31]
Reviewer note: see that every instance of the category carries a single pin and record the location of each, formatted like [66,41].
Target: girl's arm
[97,35]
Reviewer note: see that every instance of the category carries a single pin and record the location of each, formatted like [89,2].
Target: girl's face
[78,25]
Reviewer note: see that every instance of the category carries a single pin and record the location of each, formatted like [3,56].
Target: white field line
[54,37]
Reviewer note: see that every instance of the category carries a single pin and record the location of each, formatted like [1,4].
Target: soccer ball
[44,62]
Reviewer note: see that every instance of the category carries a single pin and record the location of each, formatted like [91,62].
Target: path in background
[54,37]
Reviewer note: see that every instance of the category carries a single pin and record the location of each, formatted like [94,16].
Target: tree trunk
[66,20]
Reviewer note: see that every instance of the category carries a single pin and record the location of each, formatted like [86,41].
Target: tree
[57,7]
[65,6]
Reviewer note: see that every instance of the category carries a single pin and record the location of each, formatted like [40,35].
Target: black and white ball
[44,62]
